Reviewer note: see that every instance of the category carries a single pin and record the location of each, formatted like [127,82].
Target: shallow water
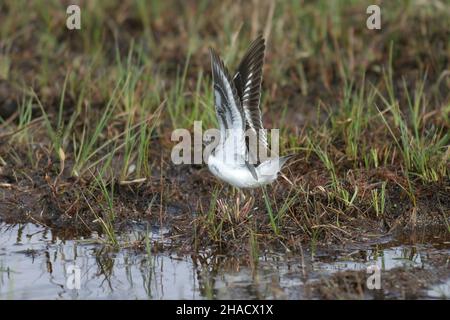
[35,264]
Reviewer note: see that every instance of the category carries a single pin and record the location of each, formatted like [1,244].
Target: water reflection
[385,259]
[34,264]
[440,291]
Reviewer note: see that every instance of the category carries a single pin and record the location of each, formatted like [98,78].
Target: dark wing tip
[214,56]
[250,68]
[212,52]
[216,60]
[253,58]
[259,38]
[218,66]
[258,44]
[216,63]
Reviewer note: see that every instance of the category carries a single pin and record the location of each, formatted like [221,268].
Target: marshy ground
[86,118]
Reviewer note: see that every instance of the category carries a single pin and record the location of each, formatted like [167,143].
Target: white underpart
[240,176]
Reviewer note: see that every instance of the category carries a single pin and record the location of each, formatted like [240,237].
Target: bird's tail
[282,163]
[273,165]
[283,159]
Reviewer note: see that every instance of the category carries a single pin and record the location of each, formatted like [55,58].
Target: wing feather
[248,80]
[228,105]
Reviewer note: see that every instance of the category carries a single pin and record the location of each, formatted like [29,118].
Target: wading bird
[235,160]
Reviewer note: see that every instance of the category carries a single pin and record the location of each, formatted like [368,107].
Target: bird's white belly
[237,176]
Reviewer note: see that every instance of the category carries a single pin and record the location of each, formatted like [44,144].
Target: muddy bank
[180,199]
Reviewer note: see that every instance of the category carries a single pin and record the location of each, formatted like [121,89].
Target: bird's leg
[243,203]
[252,199]
[236,203]
[242,195]
[239,200]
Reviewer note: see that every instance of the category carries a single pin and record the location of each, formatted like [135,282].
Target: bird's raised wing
[248,80]
[228,105]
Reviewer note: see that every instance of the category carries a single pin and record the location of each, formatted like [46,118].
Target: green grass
[107,217]
[379,199]
[270,211]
